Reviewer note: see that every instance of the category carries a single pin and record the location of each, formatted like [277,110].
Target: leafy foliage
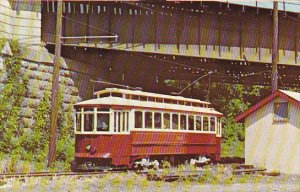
[231,100]
[234,100]
[2,43]
[18,143]
[35,142]
[10,102]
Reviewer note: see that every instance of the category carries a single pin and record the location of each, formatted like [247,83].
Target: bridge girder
[161,40]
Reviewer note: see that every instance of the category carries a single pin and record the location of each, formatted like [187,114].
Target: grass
[10,165]
[215,175]
[132,182]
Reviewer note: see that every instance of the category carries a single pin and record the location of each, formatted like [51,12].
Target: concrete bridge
[144,43]
[178,40]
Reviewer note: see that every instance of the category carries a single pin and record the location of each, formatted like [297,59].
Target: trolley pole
[275,48]
[55,80]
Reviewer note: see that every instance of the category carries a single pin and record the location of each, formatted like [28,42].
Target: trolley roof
[148,94]
[118,101]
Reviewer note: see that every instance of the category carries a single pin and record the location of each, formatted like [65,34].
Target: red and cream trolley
[120,127]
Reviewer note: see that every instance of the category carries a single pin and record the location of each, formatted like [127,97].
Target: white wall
[273,145]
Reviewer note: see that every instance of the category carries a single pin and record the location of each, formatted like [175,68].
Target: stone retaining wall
[40,82]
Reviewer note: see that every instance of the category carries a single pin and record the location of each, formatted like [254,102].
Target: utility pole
[55,81]
[275,47]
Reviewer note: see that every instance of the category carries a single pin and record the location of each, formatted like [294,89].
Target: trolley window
[88,109]
[148,120]
[183,122]
[102,122]
[205,123]
[124,121]
[157,120]
[218,126]
[191,122]
[103,109]
[116,95]
[143,98]
[166,121]
[104,95]
[127,121]
[118,118]
[174,121]
[159,100]
[138,119]
[78,121]
[151,99]
[198,123]
[135,97]
[212,124]
[88,122]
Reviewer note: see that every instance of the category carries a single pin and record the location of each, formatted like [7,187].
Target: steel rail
[156,175]
[54,174]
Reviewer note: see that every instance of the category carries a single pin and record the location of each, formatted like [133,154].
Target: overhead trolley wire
[171,62]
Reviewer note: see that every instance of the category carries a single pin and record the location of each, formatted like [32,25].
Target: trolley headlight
[88,147]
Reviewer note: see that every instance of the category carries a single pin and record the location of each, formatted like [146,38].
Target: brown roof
[290,96]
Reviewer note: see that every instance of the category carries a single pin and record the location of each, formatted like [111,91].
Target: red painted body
[122,149]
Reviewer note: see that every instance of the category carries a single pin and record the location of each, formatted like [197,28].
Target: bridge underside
[150,70]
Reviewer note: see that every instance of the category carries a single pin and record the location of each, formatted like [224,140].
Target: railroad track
[55,174]
[153,175]
[196,174]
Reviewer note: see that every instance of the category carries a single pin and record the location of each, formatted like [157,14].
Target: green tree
[231,100]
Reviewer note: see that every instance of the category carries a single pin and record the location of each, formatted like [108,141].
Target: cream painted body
[273,145]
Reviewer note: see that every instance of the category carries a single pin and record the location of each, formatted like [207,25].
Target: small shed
[273,132]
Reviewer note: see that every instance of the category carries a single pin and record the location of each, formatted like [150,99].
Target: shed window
[138,119]
[281,110]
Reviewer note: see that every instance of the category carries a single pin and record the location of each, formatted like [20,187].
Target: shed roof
[290,96]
